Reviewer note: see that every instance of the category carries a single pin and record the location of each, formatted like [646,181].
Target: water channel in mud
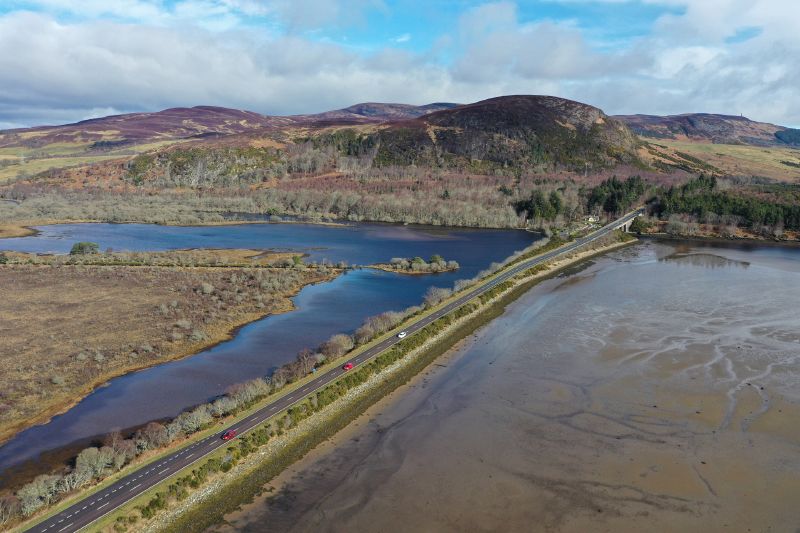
[657,388]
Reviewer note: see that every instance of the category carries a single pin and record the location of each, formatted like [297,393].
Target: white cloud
[145,55]
[497,46]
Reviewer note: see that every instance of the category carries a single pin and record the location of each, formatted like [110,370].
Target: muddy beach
[655,389]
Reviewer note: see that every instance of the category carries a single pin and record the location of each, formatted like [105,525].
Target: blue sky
[66,60]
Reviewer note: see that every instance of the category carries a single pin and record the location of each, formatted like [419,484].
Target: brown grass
[740,160]
[55,320]
[15,230]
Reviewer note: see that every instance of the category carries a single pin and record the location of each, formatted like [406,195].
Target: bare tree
[337,345]
[9,508]
[436,295]
[38,493]
[153,435]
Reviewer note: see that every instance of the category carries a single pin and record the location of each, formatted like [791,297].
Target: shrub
[9,508]
[153,435]
[436,295]
[84,248]
[38,493]
[337,345]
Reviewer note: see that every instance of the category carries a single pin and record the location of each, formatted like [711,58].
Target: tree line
[702,198]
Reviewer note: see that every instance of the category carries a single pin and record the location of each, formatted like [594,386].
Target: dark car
[228,435]
[347,366]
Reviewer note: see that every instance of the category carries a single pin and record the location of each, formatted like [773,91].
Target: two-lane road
[90,509]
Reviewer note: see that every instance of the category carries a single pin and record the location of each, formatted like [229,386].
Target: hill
[186,122]
[375,112]
[29,151]
[523,132]
[717,129]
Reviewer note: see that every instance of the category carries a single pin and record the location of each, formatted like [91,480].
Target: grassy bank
[15,230]
[107,321]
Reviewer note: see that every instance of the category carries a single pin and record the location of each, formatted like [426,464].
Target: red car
[347,366]
[228,435]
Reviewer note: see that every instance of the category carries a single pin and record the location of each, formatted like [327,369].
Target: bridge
[625,222]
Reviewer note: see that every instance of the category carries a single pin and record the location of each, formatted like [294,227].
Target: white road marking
[191,454]
[65,527]
[134,488]
[163,471]
[103,505]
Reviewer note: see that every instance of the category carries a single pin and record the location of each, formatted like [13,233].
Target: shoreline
[12,230]
[24,228]
[223,332]
[388,268]
[720,240]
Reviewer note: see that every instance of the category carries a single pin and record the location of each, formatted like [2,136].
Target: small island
[418,265]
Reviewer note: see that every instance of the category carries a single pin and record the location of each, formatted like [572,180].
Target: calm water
[657,389]
[322,310]
[355,243]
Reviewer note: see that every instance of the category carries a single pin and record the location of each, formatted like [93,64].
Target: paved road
[85,512]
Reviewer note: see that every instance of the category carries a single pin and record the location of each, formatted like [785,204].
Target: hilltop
[369,112]
[533,133]
[723,145]
[191,122]
[707,127]
[29,151]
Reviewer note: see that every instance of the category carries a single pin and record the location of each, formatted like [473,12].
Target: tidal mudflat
[656,389]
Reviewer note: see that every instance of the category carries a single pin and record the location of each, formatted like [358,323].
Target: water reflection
[704,260]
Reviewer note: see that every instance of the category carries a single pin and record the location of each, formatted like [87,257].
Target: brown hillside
[705,127]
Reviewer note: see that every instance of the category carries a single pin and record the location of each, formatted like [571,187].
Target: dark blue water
[355,243]
[322,310]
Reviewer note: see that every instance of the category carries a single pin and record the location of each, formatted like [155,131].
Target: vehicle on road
[228,435]
[402,334]
[347,366]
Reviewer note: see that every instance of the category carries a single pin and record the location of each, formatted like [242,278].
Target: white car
[402,335]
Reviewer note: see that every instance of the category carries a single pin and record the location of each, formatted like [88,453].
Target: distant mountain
[377,112]
[134,128]
[706,127]
[116,131]
[534,132]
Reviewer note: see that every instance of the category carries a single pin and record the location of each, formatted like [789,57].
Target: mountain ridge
[187,122]
[710,127]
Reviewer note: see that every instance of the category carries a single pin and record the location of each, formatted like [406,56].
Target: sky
[68,60]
